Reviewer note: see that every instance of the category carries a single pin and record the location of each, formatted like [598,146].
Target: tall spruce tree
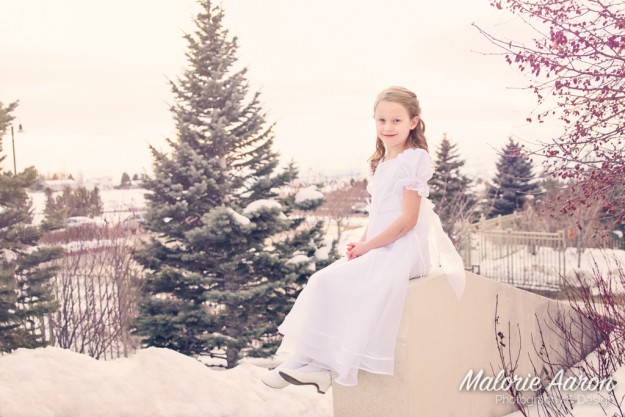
[513,183]
[228,254]
[26,270]
[449,188]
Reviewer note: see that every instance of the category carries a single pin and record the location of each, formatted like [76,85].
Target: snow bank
[155,382]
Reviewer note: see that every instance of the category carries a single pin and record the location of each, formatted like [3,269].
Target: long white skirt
[348,315]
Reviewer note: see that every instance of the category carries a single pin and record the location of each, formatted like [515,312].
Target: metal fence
[523,259]
[97,289]
[531,260]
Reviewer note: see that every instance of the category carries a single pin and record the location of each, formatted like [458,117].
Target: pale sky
[91,78]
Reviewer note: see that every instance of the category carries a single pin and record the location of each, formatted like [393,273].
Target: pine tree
[125,181]
[25,269]
[228,256]
[513,183]
[449,188]
[96,206]
[9,321]
[70,203]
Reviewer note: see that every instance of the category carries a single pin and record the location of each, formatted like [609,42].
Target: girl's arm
[404,223]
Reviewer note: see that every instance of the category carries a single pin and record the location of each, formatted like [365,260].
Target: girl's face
[393,124]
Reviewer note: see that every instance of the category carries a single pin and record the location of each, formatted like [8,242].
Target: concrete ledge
[441,339]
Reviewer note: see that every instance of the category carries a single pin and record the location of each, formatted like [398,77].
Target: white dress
[348,315]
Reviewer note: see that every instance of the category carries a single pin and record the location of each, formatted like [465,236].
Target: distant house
[103,183]
[129,184]
[59,185]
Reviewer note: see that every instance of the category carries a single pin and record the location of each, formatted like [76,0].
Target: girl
[348,315]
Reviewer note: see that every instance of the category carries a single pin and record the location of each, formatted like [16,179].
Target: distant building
[60,185]
[103,183]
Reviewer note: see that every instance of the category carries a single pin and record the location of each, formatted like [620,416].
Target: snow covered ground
[154,382]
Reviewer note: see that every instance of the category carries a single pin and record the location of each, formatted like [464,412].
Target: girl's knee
[318,279]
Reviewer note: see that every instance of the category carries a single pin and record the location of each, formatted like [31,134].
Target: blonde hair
[416,137]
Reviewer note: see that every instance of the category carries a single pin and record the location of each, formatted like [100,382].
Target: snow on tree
[575,63]
[25,269]
[308,194]
[218,276]
[449,188]
[513,182]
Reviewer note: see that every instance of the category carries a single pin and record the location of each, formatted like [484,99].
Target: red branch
[577,57]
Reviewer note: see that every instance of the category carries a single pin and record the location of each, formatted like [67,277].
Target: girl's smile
[393,125]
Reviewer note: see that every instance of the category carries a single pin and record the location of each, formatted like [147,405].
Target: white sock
[314,366]
[295,362]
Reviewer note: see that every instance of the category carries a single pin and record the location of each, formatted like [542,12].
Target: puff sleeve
[415,170]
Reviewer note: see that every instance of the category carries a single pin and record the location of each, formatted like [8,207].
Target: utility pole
[19,130]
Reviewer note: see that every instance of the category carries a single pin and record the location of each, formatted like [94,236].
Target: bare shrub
[97,288]
[590,339]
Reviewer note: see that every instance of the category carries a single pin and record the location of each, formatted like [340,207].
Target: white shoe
[273,379]
[322,380]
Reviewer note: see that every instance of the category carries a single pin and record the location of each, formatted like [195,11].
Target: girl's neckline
[396,156]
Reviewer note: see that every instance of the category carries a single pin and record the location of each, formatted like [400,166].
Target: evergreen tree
[5,119]
[449,188]
[70,203]
[25,269]
[96,206]
[125,181]
[513,182]
[228,256]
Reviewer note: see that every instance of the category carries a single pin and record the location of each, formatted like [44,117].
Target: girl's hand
[350,246]
[356,249]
